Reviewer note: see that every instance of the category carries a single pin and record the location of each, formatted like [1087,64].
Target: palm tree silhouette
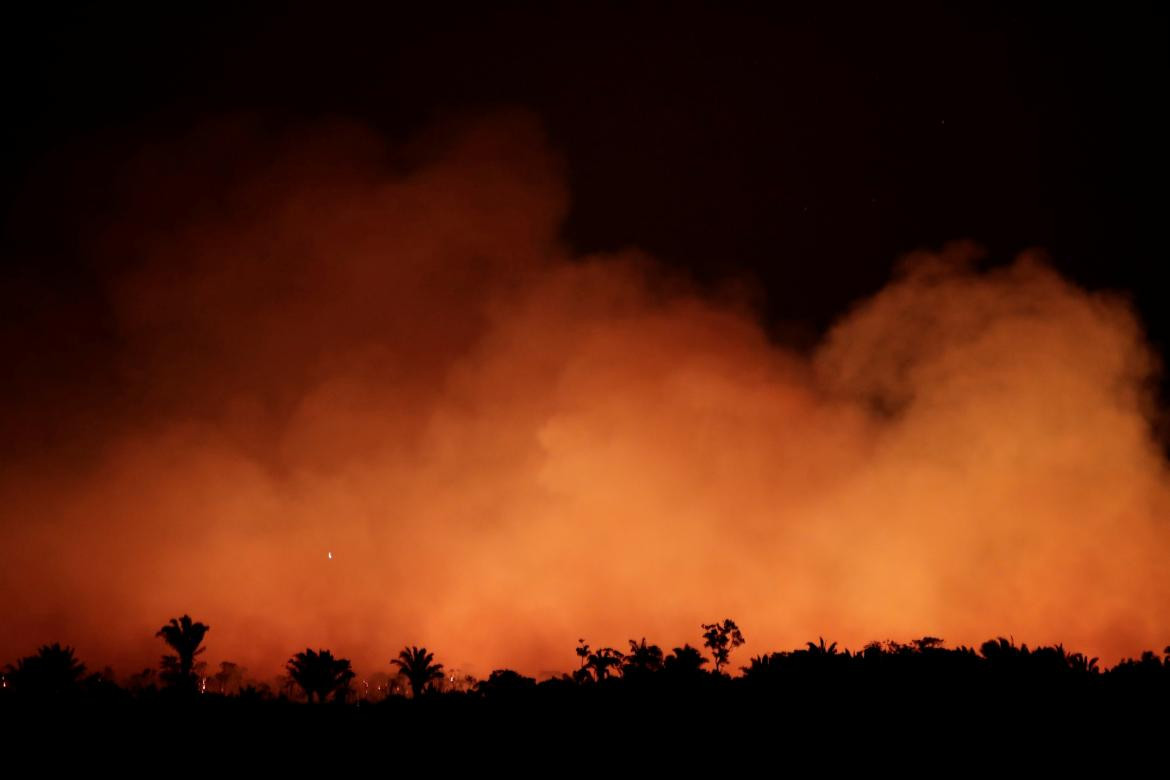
[185,637]
[642,659]
[416,664]
[763,668]
[583,652]
[1003,651]
[53,671]
[320,673]
[603,660]
[1082,664]
[821,648]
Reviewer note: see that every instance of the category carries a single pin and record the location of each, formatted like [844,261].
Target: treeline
[818,671]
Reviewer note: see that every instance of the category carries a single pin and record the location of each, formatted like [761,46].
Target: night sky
[806,150]
[786,157]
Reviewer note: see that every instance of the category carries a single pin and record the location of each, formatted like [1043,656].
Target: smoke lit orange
[377,402]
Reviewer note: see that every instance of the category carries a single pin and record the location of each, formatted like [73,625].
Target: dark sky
[805,149]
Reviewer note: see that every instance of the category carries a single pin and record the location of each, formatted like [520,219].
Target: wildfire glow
[391,352]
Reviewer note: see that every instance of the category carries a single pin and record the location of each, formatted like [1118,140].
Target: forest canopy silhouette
[364,396]
[896,675]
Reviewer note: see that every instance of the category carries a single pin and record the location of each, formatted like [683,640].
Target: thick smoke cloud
[330,344]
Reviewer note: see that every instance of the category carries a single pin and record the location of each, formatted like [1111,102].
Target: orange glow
[388,356]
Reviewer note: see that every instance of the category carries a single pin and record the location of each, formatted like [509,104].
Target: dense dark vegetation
[1000,697]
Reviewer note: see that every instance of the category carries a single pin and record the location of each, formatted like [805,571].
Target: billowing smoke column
[366,398]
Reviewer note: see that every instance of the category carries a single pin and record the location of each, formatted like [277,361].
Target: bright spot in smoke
[330,555]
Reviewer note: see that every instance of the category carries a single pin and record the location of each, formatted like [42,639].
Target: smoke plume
[363,396]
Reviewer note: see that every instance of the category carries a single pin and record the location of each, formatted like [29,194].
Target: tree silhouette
[582,674]
[141,681]
[601,662]
[505,683]
[685,660]
[643,659]
[229,677]
[721,639]
[924,644]
[816,677]
[1082,664]
[1004,656]
[1000,648]
[417,664]
[320,673]
[762,668]
[822,649]
[582,652]
[185,638]
[54,671]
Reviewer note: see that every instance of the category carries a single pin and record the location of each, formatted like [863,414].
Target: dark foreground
[908,709]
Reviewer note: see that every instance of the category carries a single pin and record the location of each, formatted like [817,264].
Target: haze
[330,344]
